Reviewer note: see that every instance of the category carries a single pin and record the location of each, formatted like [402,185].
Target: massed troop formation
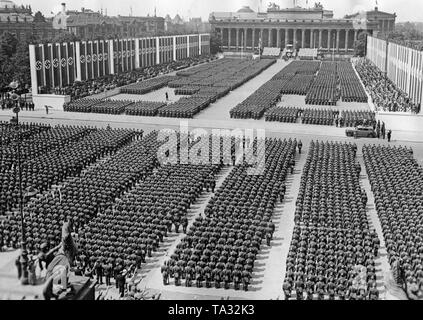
[333,249]
[80,194]
[130,231]
[328,117]
[213,81]
[201,85]
[221,247]
[322,83]
[397,184]
[386,96]
[50,156]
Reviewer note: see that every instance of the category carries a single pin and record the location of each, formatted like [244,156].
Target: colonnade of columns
[249,38]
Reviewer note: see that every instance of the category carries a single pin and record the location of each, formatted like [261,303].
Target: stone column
[261,37]
[295,39]
[278,40]
[329,39]
[320,38]
[355,35]
[245,38]
[269,42]
[346,39]
[337,39]
[286,36]
[302,38]
[237,39]
[312,38]
[229,37]
[253,39]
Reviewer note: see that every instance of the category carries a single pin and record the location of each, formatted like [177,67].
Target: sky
[406,10]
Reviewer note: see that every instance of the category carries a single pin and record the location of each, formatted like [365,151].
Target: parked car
[361,132]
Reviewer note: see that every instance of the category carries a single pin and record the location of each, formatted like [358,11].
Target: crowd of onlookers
[8,103]
[413,44]
[385,94]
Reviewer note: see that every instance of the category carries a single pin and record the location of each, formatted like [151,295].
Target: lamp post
[23,259]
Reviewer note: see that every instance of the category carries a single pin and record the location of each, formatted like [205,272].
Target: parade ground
[269,272]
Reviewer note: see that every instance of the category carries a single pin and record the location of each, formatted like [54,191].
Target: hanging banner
[64,64]
[39,64]
[82,60]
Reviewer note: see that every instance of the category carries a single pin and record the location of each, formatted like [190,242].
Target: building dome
[245,9]
[6,4]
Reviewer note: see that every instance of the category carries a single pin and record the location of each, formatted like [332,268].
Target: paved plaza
[270,266]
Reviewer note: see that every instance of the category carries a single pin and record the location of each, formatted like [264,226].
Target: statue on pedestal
[58,270]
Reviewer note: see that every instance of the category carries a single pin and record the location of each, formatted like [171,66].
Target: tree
[8,43]
[38,17]
[20,62]
[215,43]
[6,71]
[360,45]
[65,37]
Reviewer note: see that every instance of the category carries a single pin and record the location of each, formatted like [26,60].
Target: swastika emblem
[47,64]
[82,59]
[55,62]
[38,65]
[63,62]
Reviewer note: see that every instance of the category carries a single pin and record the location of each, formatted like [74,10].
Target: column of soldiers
[220,248]
[396,182]
[332,252]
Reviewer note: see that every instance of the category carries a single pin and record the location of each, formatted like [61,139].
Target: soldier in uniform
[165,273]
[227,273]
[237,278]
[184,224]
[208,275]
[188,276]
[217,277]
[198,276]
[246,279]
[177,273]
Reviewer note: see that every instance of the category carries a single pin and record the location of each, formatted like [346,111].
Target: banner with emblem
[153,51]
[95,59]
[100,58]
[106,58]
[132,59]
[117,55]
[55,65]
[64,64]
[71,62]
[82,60]
[89,59]
[47,65]
[124,55]
[39,64]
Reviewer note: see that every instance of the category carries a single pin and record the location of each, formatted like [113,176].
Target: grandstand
[307,54]
[269,52]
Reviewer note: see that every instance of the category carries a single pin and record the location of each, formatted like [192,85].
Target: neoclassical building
[301,27]
[19,20]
